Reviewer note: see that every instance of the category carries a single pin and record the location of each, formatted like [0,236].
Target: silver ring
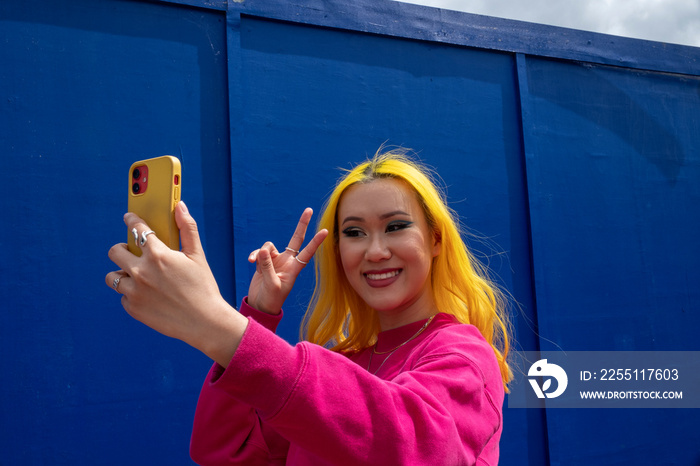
[115,284]
[300,261]
[291,250]
[144,237]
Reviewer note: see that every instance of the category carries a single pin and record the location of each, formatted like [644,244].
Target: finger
[308,252]
[122,257]
[266,267]
[116,281]
[189,233]
[143,235]
[270,247]
[298,237]
[253,256]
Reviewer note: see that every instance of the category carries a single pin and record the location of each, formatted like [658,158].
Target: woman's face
[386,248]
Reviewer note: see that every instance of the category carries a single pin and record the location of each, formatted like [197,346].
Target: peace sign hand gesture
[276,272]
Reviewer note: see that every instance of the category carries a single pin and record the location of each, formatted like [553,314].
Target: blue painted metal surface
[87,88]
[613,166]
[579,177]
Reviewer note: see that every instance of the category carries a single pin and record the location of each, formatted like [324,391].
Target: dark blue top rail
[388,17]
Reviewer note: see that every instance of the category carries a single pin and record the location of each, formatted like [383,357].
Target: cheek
[419,253]
[416,247]
[348,257]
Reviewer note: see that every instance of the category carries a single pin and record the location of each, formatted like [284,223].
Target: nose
[378,249]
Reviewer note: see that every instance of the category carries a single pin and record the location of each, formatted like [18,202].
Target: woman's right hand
[276,272]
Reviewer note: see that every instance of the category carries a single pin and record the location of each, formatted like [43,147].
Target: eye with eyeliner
[398,225]
[352,232]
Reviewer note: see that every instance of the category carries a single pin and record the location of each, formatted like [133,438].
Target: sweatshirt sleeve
[228,431]
[268,321]
[441,411]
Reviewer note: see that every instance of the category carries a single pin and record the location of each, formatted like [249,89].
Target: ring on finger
[144,236]
[115,284]
[291,250]
[300,261]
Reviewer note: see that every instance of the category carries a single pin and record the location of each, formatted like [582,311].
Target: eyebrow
[381,217]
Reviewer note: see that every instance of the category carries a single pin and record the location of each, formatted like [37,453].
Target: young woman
[405,340]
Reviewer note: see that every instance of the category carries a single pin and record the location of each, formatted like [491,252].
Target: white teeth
[382,276]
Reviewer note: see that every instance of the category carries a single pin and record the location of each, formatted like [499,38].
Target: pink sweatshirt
[435,401]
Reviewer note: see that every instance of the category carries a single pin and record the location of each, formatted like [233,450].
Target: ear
[437,243]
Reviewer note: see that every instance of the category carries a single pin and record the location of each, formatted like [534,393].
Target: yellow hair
[340,320]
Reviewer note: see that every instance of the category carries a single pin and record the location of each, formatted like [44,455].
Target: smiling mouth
[383,276]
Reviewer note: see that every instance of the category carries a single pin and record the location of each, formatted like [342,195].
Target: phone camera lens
[136,174]
[135,188]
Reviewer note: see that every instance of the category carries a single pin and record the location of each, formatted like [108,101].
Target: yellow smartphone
[154,191]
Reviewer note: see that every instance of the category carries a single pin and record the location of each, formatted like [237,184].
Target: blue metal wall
[613,174]
[573,157]
[86,88]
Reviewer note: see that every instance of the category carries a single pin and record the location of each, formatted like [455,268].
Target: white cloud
[673,21]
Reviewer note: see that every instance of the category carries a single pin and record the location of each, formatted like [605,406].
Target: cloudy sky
[673,21]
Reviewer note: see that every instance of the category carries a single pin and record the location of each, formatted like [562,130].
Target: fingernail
[184,207]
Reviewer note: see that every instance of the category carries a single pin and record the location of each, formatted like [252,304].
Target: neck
[392,321]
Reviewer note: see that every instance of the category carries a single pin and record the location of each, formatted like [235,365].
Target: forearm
[223,337]
[219,336]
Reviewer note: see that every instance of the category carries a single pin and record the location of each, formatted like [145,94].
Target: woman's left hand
[276,272]
[174,292]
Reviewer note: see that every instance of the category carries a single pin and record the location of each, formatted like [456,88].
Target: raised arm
[174,292]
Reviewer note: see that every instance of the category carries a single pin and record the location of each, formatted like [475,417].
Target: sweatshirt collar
[389,339]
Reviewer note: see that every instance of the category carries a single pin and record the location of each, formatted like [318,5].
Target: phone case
[154,191]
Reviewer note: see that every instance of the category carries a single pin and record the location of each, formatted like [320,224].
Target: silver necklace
[374,348]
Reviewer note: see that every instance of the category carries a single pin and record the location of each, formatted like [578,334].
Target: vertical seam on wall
[521,92]
[234,91]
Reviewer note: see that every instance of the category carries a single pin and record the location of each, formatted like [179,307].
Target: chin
[386,308]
